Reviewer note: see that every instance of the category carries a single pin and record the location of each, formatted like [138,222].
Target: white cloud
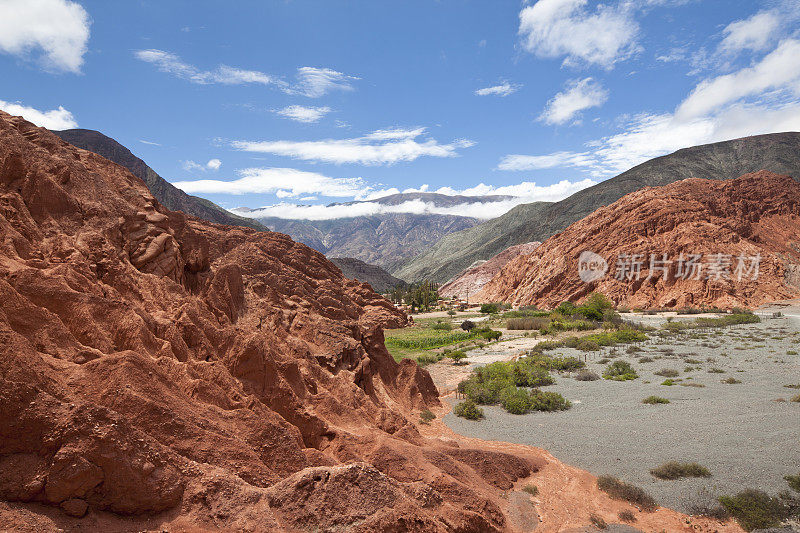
[571,29]
[283,182]
[578,95]
[382,147]
[172,64]
[303,114]
[315,82]
[754,33]
[504,89]
[55,119]
[516,162]
[151,143]
[762,98]
[57,28]
[192,166]
[525,192]
[214,164]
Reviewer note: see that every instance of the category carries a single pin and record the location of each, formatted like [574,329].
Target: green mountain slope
[777,152]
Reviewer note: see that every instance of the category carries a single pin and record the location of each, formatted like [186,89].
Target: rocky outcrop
[731,225]
[474,278]
[378,278]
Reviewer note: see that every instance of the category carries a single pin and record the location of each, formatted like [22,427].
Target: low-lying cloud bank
[523,193]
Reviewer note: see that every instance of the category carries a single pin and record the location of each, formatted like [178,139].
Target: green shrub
[427,416]
[442,326]
[667,373]
[588,345]
[754,509]
[653,400]
[795,398]
[668,382]
[457,356]
[467,325]
[620,371]
[516,401]
[559,362]
[627,516]
[594,307]
[597,521]
[467,409]
[675,470]
[619,490]
[488,334]
[527,323]
[489,309]
[451,312]
[794,482]
[548,401]
[715,370]
[731,381]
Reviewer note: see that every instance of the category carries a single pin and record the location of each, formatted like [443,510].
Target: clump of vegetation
[487,333]
[521,401]
[531,489]
[627,516]
[620,371]
[646,359]
[793,386]
[754,509]
[731,381]
[425,339]
[654,400]
[794,482]
[489,309]
[597,521]
[419,296]
[676,470]
[559,362]
[442,326]
[667,373]
[467,325]
[457,356]
[426,416]
[486,384]
[586,375]
[588,345]
[469,410]
[527,323]
[619,490]
[668,382]
[795,398]
[715,370]
[739,316]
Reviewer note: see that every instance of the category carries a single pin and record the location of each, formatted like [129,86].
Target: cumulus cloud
[576,97]
[572,29]
[191,166]
[57,29]
[504,89]
[304,114]
[524,192]
[55,119]
[283,182]
[381,147]
[758,99]
[753,33]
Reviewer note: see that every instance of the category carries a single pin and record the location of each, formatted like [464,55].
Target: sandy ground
[739,431]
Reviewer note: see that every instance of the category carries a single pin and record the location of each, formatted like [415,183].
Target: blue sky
[258,103]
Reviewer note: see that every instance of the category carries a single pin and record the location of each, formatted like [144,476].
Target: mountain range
[776,152]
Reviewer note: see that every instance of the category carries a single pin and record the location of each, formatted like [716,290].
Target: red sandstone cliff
[473,279]
[756,214]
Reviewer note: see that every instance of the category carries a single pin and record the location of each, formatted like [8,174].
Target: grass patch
[794,482]
[655,400]
[559,362]
[427,416]
[754,509]
[667,373]
[619,490]
[531,489]
[467,409]
[676,470]
[732,381]
[627,516]
[620,371]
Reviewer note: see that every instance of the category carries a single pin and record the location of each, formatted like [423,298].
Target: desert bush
[451,312]
[676,470]
[731,381]
[516,401]
[588,345]
[442,326]
[668,382]
[794,482]
[754,509]
[527,323]
[627,516]
[667,373]
[717,512]
[467,325]
[427,416]
[646,359]
[586,375]
[467,409]
[795,398]
[548,401]
[620,371]
[487,333]
[619,490]
[791,352]
[428,359]
[595,307]
[457,356]
[715,370]
[531,489]
[560,362]
[653,400]
[489,309]
[597,521]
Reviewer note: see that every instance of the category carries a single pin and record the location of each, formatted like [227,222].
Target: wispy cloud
[381,147]
[557,159]
[191,166]
[55,119]
[283,182]
[304,114]
[59,29]
[151,143]
[504,89]
[578,95]
[312,82]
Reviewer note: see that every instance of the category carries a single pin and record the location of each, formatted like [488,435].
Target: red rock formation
[755,214]
[472,280]
[164,373]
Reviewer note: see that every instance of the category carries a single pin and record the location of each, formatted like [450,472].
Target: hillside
[754,216]
[378,278]
[474,278]
[167,194]
[777,152]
